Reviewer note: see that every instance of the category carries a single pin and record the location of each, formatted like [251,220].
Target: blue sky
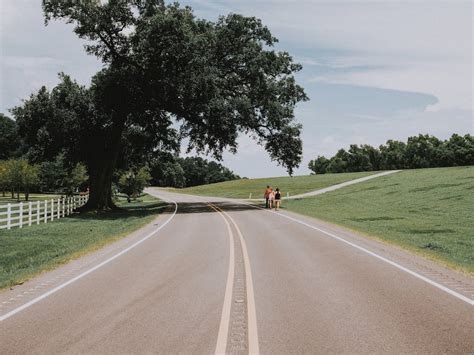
[374,70]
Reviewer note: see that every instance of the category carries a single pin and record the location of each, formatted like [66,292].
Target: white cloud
[417,46]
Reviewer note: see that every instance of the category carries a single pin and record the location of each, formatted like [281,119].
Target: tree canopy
[167,76]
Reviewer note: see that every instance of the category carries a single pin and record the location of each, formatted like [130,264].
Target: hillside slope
[429,211]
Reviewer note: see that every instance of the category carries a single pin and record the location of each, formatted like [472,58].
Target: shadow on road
[202,207]
[126,211]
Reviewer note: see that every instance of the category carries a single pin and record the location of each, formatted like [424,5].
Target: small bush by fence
[35,212]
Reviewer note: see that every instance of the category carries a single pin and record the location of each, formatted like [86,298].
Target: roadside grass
[428,211]
[294,185]
[33,197]
[28,251]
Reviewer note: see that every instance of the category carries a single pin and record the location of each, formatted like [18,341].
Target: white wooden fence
[35,212]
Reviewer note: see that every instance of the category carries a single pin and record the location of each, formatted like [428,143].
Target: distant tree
[357,159]
[195,170]
[171,170]
[421,151]
[338,163]
[132,182]
[4,182]
[29,177]
[374,156]
[9,142]
[75,178]
[52,174]
[14,170]
[172,175]
[459,150]
[393,155]
[199,171]
[19,176]
[319,165]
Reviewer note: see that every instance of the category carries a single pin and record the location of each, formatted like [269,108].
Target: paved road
[226,277]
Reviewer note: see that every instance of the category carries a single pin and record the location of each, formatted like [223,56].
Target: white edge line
[85,273]
[251,309]
[398,266]
[222,336]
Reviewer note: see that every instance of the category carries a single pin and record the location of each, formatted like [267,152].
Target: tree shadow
[203,207]
[154,208]
[125,212]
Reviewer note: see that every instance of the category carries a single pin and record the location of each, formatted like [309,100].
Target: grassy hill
[294,185]
[429,211]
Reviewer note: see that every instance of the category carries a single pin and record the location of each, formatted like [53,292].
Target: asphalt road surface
[212,275]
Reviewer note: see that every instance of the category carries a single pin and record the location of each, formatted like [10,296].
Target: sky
[373,70]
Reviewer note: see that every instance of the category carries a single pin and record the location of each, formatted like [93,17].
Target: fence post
[45,211]
[59,208]
[20,215]
[64,206]
[9,216]
[38,209]
[52,210]
[30,207]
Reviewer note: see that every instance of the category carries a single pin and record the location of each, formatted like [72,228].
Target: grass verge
[31,250]
[294,185]
[429,211]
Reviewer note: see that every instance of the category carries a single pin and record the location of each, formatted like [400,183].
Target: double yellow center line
[221,346]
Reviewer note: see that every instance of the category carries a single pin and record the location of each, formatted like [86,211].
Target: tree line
[23,169]
[180,172]
[20,176]
[422,151]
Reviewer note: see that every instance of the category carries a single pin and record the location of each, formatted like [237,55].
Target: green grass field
[28,251]
[429,211]
[33,197]
[294,185]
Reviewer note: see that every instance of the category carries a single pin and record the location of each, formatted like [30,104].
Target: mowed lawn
[430,211]
[294,185]
[30,250]
[33,197]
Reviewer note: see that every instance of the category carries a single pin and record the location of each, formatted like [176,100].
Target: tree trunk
[100,189]
[101,168]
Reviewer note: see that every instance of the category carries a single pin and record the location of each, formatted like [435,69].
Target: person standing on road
[271,199]
[277,199]
[266,195]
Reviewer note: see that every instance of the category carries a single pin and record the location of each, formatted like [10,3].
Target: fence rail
[35,212]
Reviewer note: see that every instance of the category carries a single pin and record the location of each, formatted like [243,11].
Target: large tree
[164,68]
